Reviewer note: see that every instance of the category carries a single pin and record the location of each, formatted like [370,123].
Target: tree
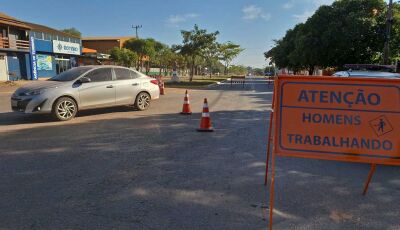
[237,69]
[145,48]
[72,31]
[348,31]
[123,56]
[228,51]
[194,43]
[258,71]
[211,54]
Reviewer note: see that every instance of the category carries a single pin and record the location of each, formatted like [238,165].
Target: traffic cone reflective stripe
[186,105]
[205,123]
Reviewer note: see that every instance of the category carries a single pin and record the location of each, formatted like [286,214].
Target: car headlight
[33,92]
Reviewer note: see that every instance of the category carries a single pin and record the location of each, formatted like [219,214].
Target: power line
[136,29]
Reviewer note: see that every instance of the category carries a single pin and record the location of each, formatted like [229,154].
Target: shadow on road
[15,118]
[157,172]
[153,172]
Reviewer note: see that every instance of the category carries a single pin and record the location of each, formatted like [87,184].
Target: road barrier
[238,79]
[340,119]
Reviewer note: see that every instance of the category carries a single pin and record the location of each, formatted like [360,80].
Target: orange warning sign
[344,119]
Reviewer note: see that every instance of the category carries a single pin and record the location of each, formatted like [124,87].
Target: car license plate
[14,103]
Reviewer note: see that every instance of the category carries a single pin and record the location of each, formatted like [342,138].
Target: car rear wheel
[142,101]
[64,109]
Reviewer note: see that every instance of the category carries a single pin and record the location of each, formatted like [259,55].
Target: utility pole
[136,28]
[389,21]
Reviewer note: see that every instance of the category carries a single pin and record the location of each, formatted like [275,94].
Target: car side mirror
[84,80]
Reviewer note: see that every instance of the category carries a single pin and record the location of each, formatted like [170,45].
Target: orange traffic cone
[161,85]
[162,91]
[186,105]
[205,124]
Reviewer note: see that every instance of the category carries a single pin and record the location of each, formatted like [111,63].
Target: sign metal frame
[275,131]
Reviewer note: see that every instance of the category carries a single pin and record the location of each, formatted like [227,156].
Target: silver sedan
[86,87]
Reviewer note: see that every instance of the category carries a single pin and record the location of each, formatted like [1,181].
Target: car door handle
[109,86]
[135,84]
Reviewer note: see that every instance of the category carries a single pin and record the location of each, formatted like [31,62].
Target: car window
[97,75]
[122,74]
[70,75]
[134,74]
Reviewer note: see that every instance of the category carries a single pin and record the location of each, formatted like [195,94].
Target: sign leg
[271,192]
[370,174]
[268,147]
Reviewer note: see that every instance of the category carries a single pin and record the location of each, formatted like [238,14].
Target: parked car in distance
[367,74]
[86,87]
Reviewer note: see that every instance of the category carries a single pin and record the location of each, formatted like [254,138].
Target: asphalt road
[123,169]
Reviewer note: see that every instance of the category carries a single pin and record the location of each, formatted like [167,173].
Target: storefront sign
[66,47]
[44,62]
[32,51]
[354,120]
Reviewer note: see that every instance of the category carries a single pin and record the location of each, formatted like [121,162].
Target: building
[104,44]
[52,51]
[14,49]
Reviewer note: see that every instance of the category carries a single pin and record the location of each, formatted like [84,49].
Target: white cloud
[313,6]
[322,2]
[253,12]
[179,18]
[304,16]
[288,5]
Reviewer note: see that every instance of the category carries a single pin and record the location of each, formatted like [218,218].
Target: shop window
[38,35]
[98,75]
[47,37]
[122,74]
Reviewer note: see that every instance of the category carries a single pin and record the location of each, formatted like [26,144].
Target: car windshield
[70,75]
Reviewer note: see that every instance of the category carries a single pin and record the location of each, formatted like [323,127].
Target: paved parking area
[123,169]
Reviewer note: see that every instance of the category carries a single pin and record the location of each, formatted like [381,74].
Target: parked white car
[367,74]
[86,87]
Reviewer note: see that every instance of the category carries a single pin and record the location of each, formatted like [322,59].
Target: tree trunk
[148,68]
[191,70]
[311,70]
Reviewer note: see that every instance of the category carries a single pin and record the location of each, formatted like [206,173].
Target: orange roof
[8,20]
[87,50]
[105,38]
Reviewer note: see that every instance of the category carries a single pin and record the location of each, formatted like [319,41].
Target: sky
[252,24]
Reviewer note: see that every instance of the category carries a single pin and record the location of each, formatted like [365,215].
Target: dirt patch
[339,216]
[9,86]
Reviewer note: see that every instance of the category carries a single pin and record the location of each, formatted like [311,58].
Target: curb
[218,83]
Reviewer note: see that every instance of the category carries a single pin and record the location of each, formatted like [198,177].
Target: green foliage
[237,70]
[197,42]
[145,49]
[72,31]
[227,52]
[123,56]
[348,31]
[258,71]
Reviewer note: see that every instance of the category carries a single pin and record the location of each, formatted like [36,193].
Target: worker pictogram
[381,125]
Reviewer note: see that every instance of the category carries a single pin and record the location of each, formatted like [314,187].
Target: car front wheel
[142,101]
[65,109]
